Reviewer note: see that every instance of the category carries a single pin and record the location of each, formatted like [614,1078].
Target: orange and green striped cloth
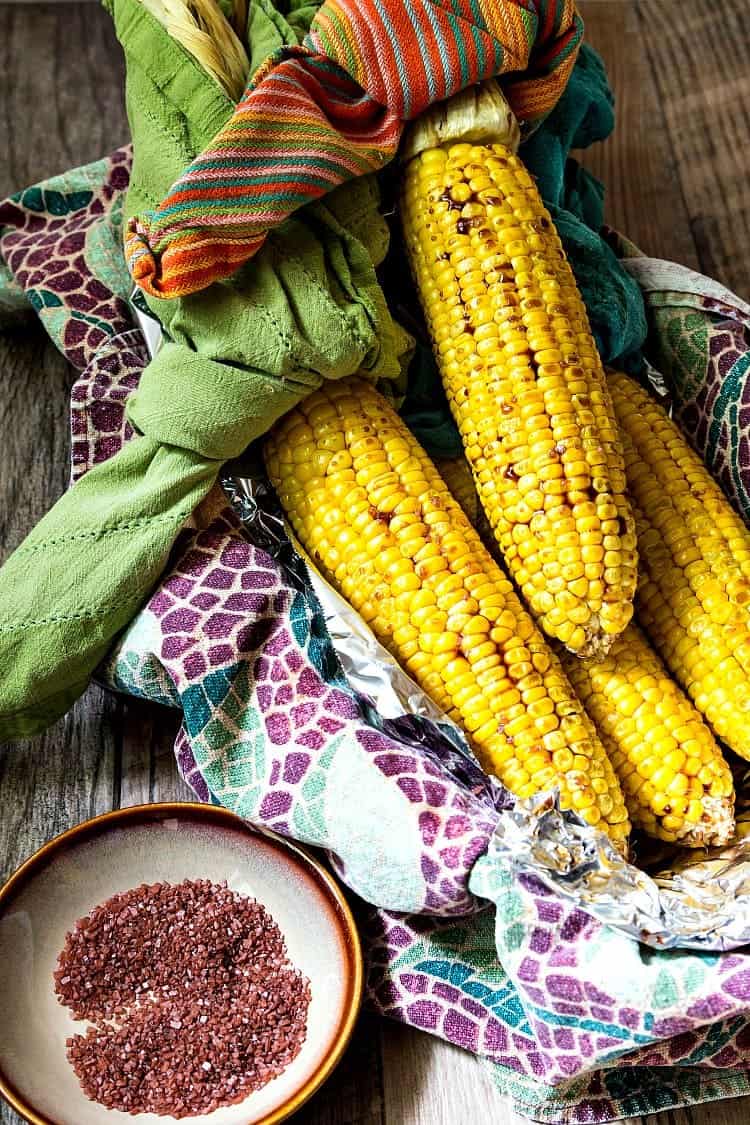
[317,115]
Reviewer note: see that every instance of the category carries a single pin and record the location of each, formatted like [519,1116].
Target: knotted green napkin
[240,354]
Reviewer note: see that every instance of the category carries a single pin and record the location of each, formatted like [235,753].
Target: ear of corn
[694,585]
[656,740]
[368,505]
[524,382]
[677,785]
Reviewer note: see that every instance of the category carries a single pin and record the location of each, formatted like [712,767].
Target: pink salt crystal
[138,1065]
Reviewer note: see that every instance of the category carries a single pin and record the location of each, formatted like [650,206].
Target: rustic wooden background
[677,179]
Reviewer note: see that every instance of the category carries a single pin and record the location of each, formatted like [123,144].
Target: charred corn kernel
[696,614]
[487,665]
[645,723]
[523,379]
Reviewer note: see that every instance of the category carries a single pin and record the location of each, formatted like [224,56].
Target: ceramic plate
[165,843]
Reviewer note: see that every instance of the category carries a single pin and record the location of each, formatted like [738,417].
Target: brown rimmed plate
[165,843]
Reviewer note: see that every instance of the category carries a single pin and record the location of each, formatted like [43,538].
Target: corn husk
[202,29]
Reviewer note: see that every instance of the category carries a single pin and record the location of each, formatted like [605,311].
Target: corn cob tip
[716,828]
[478,115]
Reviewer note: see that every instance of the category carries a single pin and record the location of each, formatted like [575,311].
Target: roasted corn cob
[521,370]
[656,740]
[694,584]
[369,507]
[677,785]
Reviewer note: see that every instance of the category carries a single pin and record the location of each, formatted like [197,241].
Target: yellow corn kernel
[645,723]
[695,612]
[461,633]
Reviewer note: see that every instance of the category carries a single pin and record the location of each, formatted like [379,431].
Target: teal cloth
[575,198]
[583,116]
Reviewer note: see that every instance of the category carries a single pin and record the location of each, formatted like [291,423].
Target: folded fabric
[444,977]
[316,115]
[273,729]
[240,355]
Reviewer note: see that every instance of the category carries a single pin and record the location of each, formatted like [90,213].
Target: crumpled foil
[697,899]
[690,900]
[701,900]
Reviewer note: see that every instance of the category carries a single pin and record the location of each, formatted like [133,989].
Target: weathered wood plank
[353,1095]
[731,1112]
[428,1082]
[61,90]
[643,194]
[701,66]
[147,767]
[52,782]
[61,104]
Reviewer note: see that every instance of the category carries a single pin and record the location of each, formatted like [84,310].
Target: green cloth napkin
[240,354]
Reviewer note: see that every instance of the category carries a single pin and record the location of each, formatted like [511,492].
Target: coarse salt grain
[241,1007]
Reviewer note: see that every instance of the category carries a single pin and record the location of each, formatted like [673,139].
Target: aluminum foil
[147,322]
[697,900]
[676,899]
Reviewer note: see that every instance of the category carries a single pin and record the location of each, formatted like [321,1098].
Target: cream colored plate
[152,844]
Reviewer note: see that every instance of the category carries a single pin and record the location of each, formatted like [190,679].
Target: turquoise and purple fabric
[577,1022]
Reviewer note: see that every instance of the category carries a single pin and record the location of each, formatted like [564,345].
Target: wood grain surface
[676,172]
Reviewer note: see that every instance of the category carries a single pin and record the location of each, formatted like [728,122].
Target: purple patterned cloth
[577,1022]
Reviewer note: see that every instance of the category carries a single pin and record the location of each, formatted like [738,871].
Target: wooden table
[677,181]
